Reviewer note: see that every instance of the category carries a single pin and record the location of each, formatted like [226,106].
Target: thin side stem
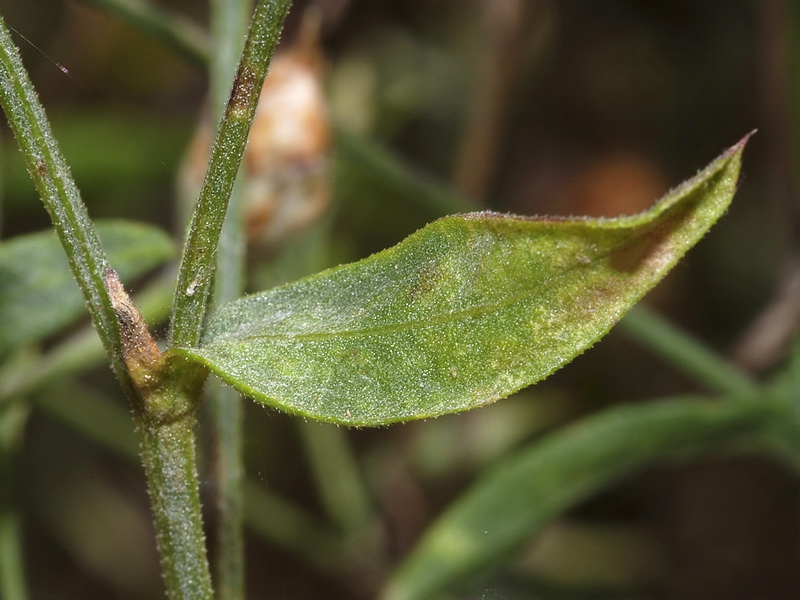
[506,33]
[275,519]
[198,262]
[173,30]
[61,198]
[337,474]
[686,353]
[417,187]
[227,414]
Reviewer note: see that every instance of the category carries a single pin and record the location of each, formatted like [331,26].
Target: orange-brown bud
[287,159]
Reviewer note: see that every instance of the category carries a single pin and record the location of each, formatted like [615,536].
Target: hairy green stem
[198,262]
[169,459]
[167,441]
[61,198]
[686,353]
[173,30]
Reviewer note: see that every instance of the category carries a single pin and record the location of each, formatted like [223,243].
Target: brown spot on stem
[243,88]
[139,349]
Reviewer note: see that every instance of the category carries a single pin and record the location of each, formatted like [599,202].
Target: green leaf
[466,311]
[519,497]
[38,294]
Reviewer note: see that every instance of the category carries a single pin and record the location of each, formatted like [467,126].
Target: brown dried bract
[139,349]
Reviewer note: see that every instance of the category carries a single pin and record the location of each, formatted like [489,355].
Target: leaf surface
[466,311]
[38,295]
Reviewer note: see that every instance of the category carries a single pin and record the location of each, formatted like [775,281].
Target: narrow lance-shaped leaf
[466,311]
[520,496]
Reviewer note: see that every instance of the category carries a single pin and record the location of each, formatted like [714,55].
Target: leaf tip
[739,146]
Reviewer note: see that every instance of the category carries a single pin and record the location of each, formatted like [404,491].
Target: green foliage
[515,500]
[469,309]
[38,295]
[466,311]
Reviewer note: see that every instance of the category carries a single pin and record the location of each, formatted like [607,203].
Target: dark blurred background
[532,107]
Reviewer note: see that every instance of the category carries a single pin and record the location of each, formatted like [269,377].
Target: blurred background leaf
[38,295]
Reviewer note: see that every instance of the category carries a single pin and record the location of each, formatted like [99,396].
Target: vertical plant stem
[503,28]
[229,28]
[229,19]
[227,463]
[198,262]
[167,443]
[169,459]
[49,171]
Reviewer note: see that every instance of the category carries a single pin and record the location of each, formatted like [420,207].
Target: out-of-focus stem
[686,353]
[12,572]
[507,36]
[229,27]
[174,30]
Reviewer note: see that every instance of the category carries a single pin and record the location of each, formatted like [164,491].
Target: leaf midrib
[462,314]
